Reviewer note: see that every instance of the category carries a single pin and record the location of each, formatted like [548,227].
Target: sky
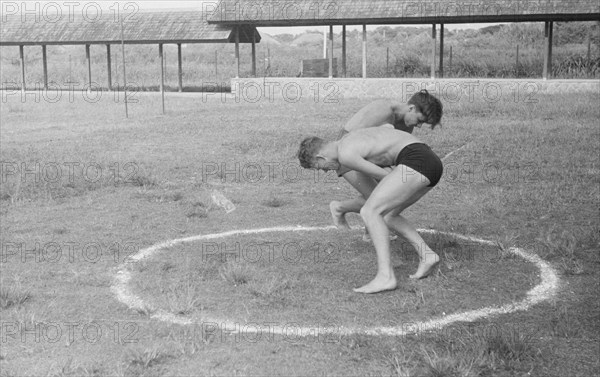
[144,5]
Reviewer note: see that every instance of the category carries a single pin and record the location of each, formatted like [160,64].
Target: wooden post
[45,64]
[325,43]
[216,64]
[330,51]
[364,52]
[344,50]
[162,75]
[124,70]
[253,53]
[237,51]
[387,62]
[269,59]
[589,43]
[89,63]
[22,56]
[117,70]
[517,63]
[108,66]
[441,69]
[547,72]
[450,61]
[588,56]
[432,52]
[179,67]
[550,43]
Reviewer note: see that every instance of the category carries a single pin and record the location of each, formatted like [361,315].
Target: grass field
[83,190]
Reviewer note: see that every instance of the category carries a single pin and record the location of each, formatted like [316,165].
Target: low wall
[448,90]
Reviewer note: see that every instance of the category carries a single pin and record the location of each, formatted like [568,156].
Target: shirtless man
[406,170]
[421,108]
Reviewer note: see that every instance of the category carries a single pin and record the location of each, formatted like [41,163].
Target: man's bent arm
[356,162]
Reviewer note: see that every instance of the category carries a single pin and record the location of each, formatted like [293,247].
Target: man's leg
[364,185]
[427,257]
[340,208]
[401,188]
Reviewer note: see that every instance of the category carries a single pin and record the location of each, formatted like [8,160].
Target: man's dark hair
[428,105]
[309,148]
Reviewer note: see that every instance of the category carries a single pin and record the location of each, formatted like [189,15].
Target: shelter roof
[349,12]
[138,28]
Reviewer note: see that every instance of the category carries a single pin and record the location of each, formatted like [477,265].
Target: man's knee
[388,218]
[365,212]
[368,211]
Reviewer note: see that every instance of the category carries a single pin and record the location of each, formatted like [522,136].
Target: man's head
[428,105]
[311,155]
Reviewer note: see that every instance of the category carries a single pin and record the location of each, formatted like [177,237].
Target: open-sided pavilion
[257,13]
[165,27]
[235,21]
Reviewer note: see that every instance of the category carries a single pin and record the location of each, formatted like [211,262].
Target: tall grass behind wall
[391,52]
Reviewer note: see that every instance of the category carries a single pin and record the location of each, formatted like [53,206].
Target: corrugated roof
[324,12]
[142,27]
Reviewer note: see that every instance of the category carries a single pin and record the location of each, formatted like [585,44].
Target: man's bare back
[378,145]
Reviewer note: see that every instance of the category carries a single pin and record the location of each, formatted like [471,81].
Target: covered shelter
[265,13]
[150,27]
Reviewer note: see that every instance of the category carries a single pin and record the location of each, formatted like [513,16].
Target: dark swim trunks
[421,158]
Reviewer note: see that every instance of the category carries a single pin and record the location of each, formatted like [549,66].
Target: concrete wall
[448,90]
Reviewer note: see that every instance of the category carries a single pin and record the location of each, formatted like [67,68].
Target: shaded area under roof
[140,28]
[354,12]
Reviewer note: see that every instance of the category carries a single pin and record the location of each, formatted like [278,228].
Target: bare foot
[339,218]
[426,267]
[379,284]
[366,236]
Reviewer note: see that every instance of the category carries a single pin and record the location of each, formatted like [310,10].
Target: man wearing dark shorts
[405,168]
[421,108]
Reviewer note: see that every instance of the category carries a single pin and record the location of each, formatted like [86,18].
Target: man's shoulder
[350,140]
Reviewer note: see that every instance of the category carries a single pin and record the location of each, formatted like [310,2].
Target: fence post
[364,51]
[589,55]
[89,63]
[162,75]
[517,62]
[22,58]
[108,67]
[179,68]
[441,63]
[165,62]
[450,61]
[45,66]
[124,69]
[432,62]
[387,62]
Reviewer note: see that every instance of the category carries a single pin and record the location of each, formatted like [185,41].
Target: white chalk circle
[545,290]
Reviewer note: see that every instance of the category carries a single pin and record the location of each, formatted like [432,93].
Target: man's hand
[343,170]
[388,169]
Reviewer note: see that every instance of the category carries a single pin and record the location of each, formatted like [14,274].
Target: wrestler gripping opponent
[406,170]
[421,108]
